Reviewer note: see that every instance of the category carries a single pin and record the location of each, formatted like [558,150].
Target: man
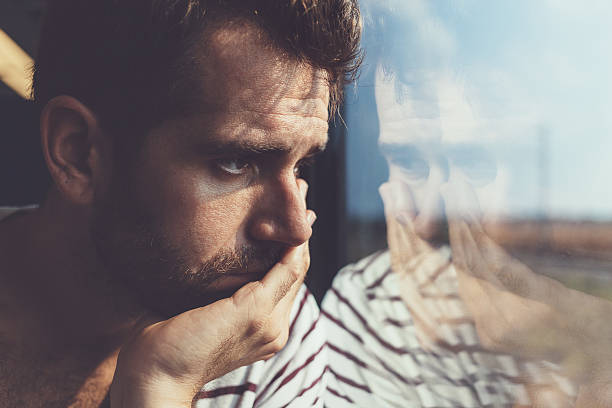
[446,318]
[169,254]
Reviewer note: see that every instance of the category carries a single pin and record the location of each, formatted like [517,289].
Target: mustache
[245,259]
[193,283]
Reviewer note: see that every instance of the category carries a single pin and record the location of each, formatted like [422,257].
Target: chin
[169,303]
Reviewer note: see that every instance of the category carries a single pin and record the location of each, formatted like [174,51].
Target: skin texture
[206,223]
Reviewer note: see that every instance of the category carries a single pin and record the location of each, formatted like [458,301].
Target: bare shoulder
[33,380]
[23,383]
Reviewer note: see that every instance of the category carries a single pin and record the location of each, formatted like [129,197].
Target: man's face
[211,201]
[433,140]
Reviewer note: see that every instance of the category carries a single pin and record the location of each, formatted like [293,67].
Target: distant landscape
[577,253]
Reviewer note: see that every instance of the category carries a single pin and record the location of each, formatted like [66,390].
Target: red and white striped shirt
[377,361]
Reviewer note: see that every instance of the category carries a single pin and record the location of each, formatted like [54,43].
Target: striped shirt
[377,360]
[294,377]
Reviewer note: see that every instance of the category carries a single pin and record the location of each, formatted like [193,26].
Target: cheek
[196,216]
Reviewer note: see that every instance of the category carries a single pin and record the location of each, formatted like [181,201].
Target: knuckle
[270,337]
[257,325]
[295,273]
[279,342]
[248,294]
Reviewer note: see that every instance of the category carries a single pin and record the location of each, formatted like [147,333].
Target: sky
[539,72]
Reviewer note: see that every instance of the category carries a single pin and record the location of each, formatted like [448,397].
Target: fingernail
[311,217]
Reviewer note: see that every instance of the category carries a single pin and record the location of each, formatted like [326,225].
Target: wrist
[153,392]
[140,383]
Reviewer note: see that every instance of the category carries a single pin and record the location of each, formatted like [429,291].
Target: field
[577,253]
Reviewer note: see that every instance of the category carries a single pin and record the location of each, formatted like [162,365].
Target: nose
[280,214]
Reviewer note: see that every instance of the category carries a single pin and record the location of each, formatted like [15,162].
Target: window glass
[477,150]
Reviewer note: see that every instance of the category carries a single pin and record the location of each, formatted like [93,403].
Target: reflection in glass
[493,121]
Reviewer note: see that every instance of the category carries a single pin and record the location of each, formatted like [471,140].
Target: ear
[74,148]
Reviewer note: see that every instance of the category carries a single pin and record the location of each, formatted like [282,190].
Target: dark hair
[128,59]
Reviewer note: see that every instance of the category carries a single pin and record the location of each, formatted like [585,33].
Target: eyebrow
[244,148]
[460,151]
[397,149]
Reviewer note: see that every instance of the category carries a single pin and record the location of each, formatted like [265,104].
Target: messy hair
[126,59]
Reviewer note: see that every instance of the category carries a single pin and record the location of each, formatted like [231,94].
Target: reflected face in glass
[211,201]
[433,140]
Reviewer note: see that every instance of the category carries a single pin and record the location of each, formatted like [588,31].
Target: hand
[520,312]
[168,362]
[427,284]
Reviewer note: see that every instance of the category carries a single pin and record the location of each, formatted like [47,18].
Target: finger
[290,269]
[286,303]
[481,255]
[432,266]
[473,261]
[496,265]
[311,217]
[303,187]
[458,211]
[470,287]
[399,213]
[476,251]
[460,201]
[454,224]
[264,295]
[459,255]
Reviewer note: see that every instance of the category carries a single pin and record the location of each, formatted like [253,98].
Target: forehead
[239,68]
[246,91]
[430,108]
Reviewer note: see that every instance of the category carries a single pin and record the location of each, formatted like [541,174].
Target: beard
[159,275]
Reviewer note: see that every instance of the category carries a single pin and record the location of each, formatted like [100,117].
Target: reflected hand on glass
[427,286]
[523,313]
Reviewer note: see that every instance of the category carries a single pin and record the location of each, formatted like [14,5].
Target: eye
[410,160]
[479,169]
[480,173]
[414,167]
[303,165]
[233,166]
